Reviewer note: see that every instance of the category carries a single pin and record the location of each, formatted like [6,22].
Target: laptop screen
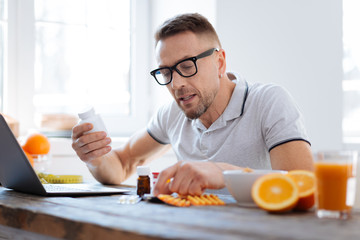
[15,170]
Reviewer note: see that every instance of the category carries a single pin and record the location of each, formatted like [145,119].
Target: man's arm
[292,155]
[194,177]
[139,150]
[114,166]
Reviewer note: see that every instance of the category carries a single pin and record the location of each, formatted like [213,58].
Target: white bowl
[239,183]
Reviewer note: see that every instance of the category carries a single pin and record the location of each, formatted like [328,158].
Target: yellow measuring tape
[50,178]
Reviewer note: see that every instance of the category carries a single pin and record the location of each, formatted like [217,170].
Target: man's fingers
[79,130]
[188,174]
[89,146]
[190,178]
[195,189]
[164,190]
[162,185]
[94,145]
[88,138]
[182,178]
[95,154]
[183,188]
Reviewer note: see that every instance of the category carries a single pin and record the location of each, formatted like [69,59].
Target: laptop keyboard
[57,188]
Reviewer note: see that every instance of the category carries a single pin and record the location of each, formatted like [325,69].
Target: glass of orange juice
[335,173]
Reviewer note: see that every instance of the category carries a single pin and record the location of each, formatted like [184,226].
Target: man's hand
[89,146]
[189,178]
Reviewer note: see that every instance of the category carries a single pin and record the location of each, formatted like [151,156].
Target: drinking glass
[335,173]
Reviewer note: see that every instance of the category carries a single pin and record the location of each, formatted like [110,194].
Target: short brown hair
[193,22]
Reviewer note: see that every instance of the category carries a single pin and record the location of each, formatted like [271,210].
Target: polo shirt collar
[237,101]
[236,105]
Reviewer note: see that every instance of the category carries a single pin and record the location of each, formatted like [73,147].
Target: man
[216,122]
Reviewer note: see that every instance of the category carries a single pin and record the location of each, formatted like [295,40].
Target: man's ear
[221,62]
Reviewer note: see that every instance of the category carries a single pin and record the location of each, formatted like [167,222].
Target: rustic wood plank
[103,217]
[17,234]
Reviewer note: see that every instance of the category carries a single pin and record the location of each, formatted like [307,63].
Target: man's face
[195,94]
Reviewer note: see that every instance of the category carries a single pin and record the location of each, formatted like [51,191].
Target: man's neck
[220,103]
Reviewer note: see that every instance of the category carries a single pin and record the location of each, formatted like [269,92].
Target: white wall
[297,44]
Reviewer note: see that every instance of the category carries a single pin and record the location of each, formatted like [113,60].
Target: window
[71,54]
[351,66]
[3,34]
[82,56]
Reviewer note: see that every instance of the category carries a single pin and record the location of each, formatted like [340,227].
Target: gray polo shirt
[258,118]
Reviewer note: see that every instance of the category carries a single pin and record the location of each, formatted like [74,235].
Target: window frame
[19,84]
[350,84]
[3,63]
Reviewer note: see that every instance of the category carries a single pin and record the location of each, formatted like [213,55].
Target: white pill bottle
[89,116]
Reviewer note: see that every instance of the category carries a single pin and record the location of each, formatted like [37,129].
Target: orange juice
[332,184]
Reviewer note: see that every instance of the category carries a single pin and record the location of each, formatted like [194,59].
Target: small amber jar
[143,181]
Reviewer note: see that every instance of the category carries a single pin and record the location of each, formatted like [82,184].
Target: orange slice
[305,180]
[275,192]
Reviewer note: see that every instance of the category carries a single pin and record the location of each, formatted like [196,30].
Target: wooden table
[102,217]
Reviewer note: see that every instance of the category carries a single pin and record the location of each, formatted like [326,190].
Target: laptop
[17,173]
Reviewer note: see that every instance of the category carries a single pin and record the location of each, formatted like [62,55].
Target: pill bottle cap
[155,174]
[87,113]
[143,170]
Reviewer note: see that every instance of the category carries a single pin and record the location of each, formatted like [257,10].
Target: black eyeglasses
[186,68]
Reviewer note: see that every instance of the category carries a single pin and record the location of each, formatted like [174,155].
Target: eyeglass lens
[186,68]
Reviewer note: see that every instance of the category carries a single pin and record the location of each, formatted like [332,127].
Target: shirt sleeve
[282,120]
[157,128]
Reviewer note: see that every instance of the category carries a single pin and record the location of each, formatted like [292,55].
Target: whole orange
[37,143]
